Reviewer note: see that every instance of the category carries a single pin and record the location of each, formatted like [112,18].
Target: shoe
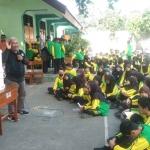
[24,112]
[117,114]
[114,106]
[103,148]
[84,116]
[60,99]
[12,118]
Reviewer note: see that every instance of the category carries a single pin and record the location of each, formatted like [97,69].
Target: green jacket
[62,50]
[78,56]
[129,50]
[30,54]
[49,45]
[57,51]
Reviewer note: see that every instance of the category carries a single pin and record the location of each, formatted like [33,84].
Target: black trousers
[45,67]
[78,99]
[129,58]
[51,61]
[75,61]
[63,62]
[111,98]
[57,64]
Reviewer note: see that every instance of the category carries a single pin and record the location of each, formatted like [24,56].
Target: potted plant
[74,44]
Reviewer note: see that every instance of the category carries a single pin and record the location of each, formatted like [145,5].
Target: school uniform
[72,73]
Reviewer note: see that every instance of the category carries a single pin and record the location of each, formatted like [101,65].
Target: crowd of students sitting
[110,79]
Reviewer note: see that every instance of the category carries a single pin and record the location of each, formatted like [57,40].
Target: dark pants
[63,62]
[129,58]
[51,61]
[75,61]
[111,98]
[57,64]
[45,67]
[78,99]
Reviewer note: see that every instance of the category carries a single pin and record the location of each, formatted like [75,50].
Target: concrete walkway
[68,132]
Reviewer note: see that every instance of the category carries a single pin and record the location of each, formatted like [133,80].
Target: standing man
[56,53]
[61,40]
[129,51]
[13,60]
[3,43]
[50,46]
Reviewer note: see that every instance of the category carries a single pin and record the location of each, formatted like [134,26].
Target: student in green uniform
[50,47]
[77,57]
[56,53]
[30,53]
[61,40]
[140,133]
[129,51]
[96,104]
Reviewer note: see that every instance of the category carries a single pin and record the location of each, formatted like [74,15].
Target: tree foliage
[113,22]
[75,44]
[139,25]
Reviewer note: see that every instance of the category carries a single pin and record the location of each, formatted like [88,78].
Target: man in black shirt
[13,61]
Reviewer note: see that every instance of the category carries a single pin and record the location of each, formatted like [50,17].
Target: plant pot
[68,59]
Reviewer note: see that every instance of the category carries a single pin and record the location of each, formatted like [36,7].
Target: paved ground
[68,132]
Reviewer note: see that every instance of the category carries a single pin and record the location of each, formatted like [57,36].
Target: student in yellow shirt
[70,70]
[57,89]
[87,73]
[141,134]
[37,58]
[77,94]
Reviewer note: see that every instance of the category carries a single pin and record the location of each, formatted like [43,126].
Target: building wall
[11,12]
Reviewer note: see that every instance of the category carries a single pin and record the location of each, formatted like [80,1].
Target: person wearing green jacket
[50,46]
[29,52]
[129,51]
[56,53]
[77,57]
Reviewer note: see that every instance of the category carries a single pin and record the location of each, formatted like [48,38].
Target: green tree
[113,22]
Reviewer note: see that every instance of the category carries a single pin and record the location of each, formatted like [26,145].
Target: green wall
[11,12]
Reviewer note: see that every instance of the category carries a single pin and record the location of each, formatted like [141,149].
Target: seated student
[29,52]
[94,65]
[87,73]
[111,88]
[80,73]
[58,86]
[104,62]
[147,82]
[145,68]
[126,74]
[103,84]
[97,104]
[37,58]
[117,73]
[101,71]
[76,90]
[131,104]
[87,63]
[139,78]
[67,83]
[97,79]
[140,133]
[70,70]
[34,49]
[144,108]
[127,91]
[121,62]
[136,66]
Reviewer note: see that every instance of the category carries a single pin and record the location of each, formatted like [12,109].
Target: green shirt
[57,50]
[49,45]
[78,56]
[62,50]
[30,54]
[129,52]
